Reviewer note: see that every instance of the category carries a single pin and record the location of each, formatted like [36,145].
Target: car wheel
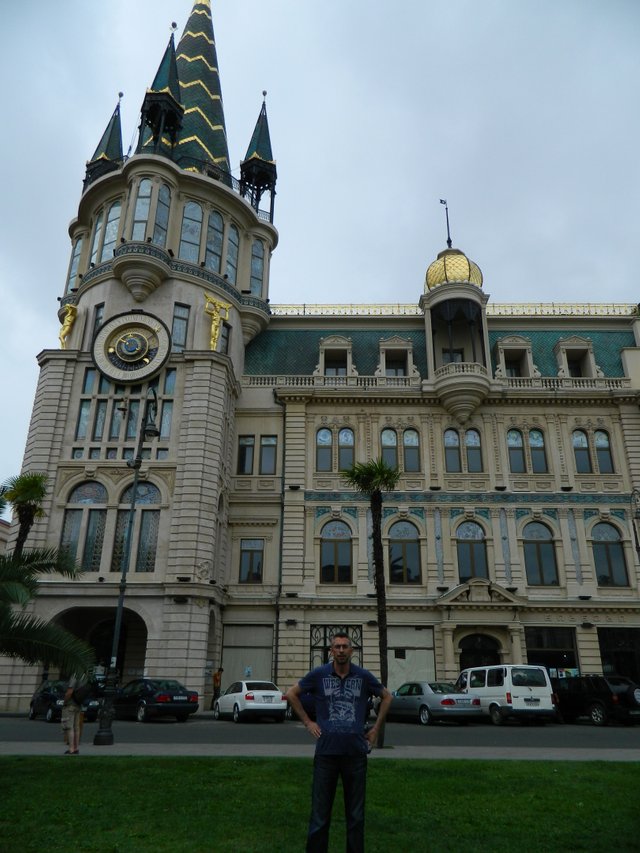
[50,716]
[424,716]
[182,718]
[141,713]
[289,713]
[32,713]
[496,717]
[216,712]
[598,714]
[237,715]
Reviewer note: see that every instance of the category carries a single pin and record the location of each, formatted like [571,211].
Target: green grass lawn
[255,805]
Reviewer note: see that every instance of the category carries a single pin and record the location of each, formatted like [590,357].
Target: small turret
[108,155]
[258,169]
[162,112]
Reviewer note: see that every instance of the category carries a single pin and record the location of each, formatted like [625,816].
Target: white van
[516,691]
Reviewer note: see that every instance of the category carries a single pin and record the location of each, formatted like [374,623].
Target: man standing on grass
[341,691]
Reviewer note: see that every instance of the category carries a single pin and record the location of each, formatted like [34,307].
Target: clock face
[131,347]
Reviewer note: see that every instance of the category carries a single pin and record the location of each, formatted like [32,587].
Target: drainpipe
[276,653]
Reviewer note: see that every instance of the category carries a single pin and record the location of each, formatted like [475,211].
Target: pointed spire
[108,155]
[258,169]
[204,137]
[161,114]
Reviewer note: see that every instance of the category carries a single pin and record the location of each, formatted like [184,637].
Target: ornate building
[516,429]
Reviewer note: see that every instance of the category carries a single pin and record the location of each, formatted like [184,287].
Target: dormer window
[335,357]
[513,358]
[575,358]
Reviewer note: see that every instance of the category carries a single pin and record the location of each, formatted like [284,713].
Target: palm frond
[39,561]
[372,476]
[36,641]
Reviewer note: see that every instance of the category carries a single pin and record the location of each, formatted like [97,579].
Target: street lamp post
[635,518]
[148,430]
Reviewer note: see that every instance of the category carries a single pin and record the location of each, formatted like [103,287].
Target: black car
[601,698]
[48,700]
[154,697]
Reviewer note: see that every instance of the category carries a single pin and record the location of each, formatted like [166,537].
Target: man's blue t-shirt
[341,707]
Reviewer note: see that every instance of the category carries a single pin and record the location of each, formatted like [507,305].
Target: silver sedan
[427,701]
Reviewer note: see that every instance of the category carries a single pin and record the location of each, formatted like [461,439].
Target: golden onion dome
[453,265]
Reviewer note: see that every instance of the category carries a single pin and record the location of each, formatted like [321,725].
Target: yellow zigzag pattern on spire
[197,35]
[211,68]
[196,139]
[198,110]
[200,83]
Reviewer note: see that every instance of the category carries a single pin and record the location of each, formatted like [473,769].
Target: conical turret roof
[108,155]
[203,136]
[260,145]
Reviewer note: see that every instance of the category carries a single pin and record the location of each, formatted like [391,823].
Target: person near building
[341,691]
[217,685]
[72,717]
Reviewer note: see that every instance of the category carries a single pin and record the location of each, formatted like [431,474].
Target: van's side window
[476,678]
[495,677]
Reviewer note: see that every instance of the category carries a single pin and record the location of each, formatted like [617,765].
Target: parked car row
[500,693]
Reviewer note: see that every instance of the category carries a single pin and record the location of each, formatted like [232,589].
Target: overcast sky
[524,114]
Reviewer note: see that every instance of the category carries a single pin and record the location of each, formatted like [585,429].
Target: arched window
[161,225]
[346,445]
[473,448]
[581,452]
[603,452]
[190,233]
[539,555]
[84,523]
[608,556]
[257,267]
[452,461]
[389,442]
[97,235]
[141,210]
[404,553]
[324,450]
[111,231]
[73,265]
[144,538]
[472,551]
[538,454]
[215,235]
[233,247]
[335,553]
[411,449]
[515,446]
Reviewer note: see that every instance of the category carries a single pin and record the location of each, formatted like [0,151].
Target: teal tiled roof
[606,347]
[297,352]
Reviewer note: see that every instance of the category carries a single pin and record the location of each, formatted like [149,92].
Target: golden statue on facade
[218,311]
[70,314]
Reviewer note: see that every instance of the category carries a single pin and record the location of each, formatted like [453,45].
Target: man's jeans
[326,770]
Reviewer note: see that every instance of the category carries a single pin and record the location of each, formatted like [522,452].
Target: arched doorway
[478,650]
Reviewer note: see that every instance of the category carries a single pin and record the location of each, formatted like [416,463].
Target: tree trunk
[381,595]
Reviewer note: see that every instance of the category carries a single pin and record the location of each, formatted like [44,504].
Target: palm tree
[25,493]
[27,637]
[372,479]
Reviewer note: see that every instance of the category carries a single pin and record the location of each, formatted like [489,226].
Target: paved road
[202,736]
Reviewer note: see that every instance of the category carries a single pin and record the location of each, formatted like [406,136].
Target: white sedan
[243,700]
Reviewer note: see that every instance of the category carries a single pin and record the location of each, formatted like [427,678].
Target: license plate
[531,700]
[267,699]
[179,698]
[464,701]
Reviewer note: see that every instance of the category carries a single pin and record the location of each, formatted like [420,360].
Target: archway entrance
[478,650]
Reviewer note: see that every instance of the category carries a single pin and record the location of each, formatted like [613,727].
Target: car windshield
[528,677]
[443,687]
[618,684]
[167,684]
[261,685]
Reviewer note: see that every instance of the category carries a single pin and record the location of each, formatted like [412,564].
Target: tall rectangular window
[268,448]
[179,327]
[251,560]
[83,419]
[246,444]
[225,335]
